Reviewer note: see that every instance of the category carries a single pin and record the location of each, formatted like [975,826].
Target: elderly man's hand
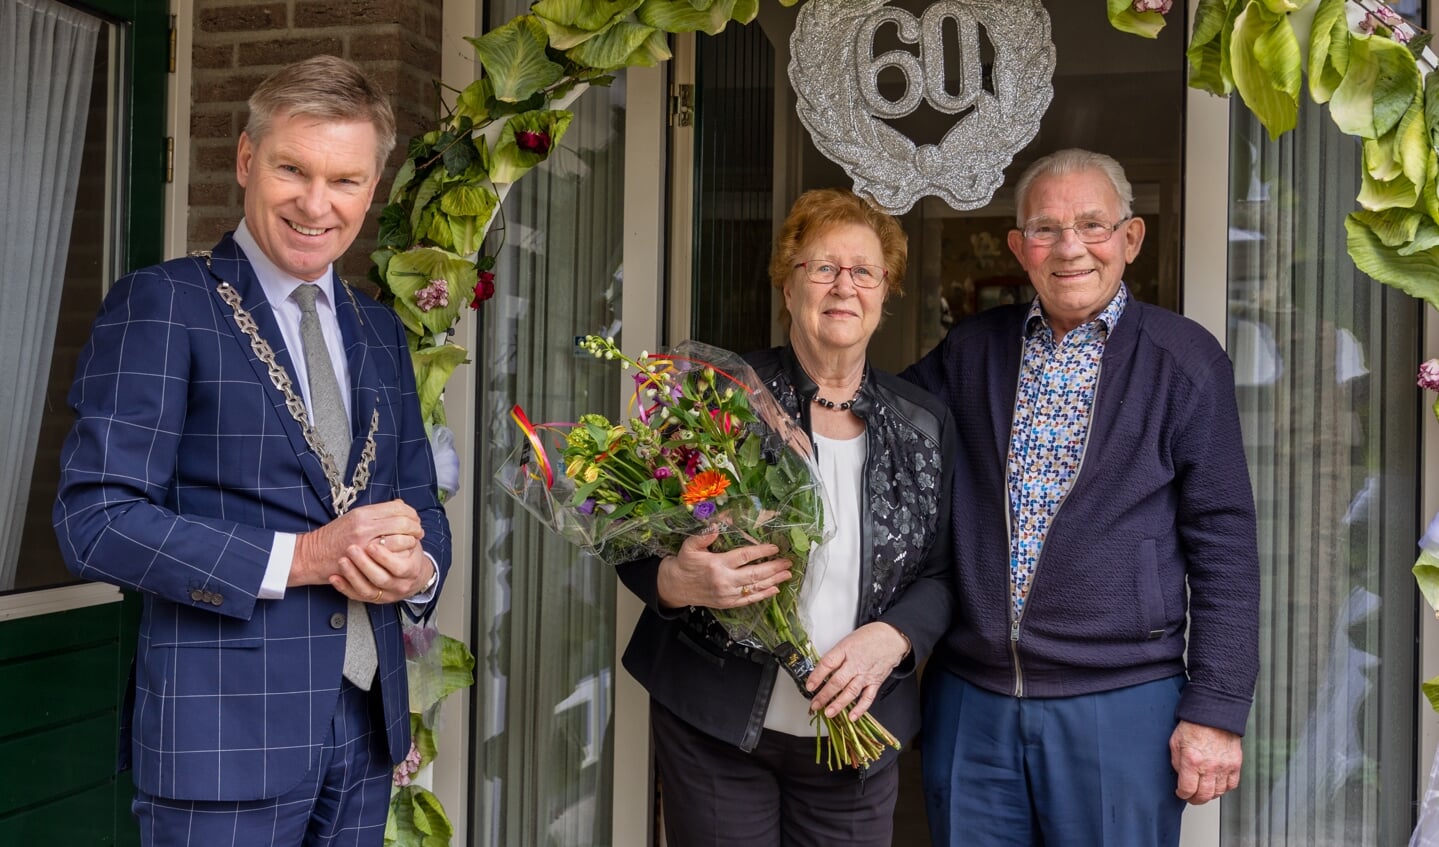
[697,577]
[855,668]
[1207,761]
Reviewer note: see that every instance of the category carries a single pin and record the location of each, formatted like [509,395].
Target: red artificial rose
[531,141]
[484,289]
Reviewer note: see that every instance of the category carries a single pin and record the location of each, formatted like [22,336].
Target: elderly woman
[734,746]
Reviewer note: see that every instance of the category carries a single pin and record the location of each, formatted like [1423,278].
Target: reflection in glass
[1324,362]
[544,613]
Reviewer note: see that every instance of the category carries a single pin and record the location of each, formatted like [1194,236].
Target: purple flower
[1429,375]
[663,472]
[436,295]
[1160,6]
[587,507]
[418,640]
[704,509]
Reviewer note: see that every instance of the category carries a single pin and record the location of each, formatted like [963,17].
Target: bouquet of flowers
[706,446]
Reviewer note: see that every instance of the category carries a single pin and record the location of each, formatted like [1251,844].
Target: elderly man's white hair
[1070,161]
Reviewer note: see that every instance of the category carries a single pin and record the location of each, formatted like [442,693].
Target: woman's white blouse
[829,598]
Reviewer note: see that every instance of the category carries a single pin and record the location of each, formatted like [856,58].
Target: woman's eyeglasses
[823,273]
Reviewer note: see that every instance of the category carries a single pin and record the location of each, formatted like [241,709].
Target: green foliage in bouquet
[706,448]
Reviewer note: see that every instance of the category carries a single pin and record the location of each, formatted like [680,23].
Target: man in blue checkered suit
[198,474]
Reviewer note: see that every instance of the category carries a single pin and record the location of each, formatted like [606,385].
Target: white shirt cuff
[422,598]
[277,570]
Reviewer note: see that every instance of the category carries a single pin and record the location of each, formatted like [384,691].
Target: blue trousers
[1072,771]
[343,802]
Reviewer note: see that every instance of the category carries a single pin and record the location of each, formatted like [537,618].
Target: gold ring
[376,598]
[745,590]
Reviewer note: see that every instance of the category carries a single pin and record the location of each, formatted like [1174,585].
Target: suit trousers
[343,801]
[1085,771]
[716,795]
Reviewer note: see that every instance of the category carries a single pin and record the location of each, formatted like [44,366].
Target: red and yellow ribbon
[518,416]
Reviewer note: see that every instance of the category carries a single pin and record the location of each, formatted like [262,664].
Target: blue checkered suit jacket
[183,463]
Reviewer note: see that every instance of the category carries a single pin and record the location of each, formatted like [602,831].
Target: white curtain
[1324,365]
[545,629]
[44,99]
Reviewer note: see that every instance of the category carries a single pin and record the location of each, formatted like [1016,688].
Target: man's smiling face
[308,183]
[1075,281]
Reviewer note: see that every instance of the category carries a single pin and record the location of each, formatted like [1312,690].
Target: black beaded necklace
[845,406]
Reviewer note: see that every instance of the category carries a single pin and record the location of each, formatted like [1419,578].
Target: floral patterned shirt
[1052,413]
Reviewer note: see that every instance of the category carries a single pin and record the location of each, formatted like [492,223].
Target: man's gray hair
[327,88]
[1070,161]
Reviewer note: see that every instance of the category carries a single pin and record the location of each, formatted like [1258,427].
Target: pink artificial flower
[1387,15]
[531,141]
[436,295]
[1160,6]
[407,768]
[484,289]
[1429,375]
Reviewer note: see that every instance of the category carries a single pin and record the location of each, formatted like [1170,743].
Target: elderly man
[248,455]
[1101,503]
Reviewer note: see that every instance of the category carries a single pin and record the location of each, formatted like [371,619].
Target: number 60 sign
[835,74]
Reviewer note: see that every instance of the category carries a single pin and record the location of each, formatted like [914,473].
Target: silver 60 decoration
[835,74]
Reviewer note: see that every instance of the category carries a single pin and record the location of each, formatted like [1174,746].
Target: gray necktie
[327,408]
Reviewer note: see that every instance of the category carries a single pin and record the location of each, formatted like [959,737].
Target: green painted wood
[85,680]
[62,631]
[58,762]
[84,818]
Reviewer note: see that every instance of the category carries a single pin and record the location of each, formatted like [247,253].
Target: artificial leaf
[394,227]
[433,367]
[1284,7]
[573,22]
[514,57]
[1123,18]
[1416,275]
[1392,227]
[423,195]
[1426,575]
[423,737]
[1264,57]
[474,101]
[1411,143]
[1208,70]
[1377,193]
[1328,49]
[685,16]
[466,232]
[1431,692]
[475,200]
[1426,237]
[1378,86]
[612,48]
[459,153]
[412,270]
[510,161]
[403,176]
[1431,107]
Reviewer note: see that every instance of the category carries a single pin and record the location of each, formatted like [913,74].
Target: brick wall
[237,43]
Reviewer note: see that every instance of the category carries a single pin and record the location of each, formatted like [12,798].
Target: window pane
[544,635]
[1324,363]
[89,266]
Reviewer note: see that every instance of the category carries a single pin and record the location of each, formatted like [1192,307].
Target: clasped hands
[371,553]
[847,676]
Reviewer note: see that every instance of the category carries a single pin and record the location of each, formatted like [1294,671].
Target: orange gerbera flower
[705,486]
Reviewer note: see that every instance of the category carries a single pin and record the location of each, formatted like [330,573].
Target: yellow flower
[576,465]
[592,473]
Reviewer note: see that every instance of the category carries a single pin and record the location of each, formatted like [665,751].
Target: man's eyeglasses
[1047,233]
[824,273]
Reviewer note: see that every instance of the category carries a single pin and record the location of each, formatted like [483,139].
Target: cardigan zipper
[1017,619]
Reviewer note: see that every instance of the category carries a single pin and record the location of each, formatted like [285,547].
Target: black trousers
[716,795]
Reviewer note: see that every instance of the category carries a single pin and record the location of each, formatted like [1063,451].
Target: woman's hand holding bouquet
[709,464]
